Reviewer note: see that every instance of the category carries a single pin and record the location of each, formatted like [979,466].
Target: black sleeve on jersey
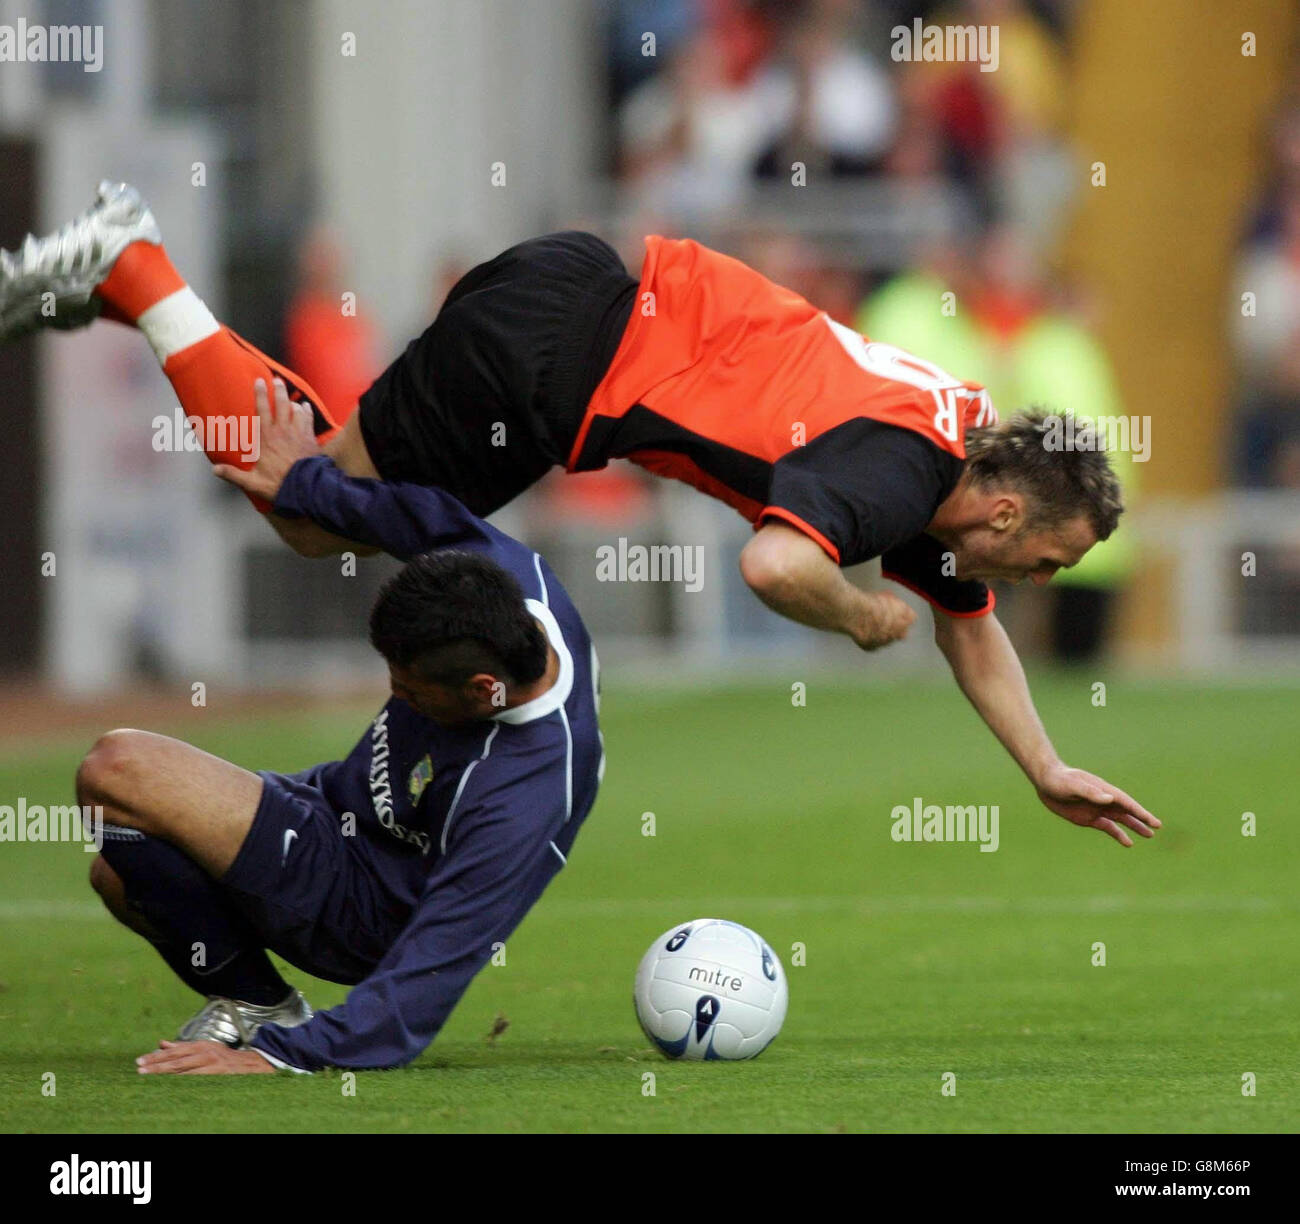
[867,487]
[919,565]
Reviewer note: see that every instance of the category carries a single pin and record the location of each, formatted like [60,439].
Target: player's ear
[1008,512]
[486,690]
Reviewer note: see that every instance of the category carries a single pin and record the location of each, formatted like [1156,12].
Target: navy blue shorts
[309,891]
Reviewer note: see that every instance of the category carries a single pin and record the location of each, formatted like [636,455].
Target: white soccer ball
[710,989]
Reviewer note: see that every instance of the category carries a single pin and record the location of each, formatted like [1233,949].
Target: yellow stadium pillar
[1172,101]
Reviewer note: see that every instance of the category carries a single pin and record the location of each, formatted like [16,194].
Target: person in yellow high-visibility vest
[1056,363]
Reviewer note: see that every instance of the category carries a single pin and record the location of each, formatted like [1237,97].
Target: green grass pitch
[920,959]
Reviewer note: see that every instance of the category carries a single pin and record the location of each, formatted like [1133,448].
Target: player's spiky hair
[1061,466]
[450,615]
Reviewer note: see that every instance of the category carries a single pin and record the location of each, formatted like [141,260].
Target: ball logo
[715,977]
[706,1012]
[677,940]
[769,965]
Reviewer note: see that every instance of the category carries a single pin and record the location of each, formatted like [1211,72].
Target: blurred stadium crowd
[1266,343]
[738,90]
[932,205]
[931,179]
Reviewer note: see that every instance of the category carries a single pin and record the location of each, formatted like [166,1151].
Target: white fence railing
[1236,578]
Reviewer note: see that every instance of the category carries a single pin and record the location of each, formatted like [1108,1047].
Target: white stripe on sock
[179,320]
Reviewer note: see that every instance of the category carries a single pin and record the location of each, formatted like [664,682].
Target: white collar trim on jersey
[555,696]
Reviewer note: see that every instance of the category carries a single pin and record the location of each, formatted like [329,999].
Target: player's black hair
[450,615]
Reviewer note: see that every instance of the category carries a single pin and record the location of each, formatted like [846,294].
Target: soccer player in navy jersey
[397,869]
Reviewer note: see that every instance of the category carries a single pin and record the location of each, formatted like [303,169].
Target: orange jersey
[746,391]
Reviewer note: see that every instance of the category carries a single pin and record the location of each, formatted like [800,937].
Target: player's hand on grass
[1087,800]
[885,618]
[285,435]
[201,1058]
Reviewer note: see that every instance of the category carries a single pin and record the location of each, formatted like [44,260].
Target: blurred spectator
[919,153]
[1266,333]
[671,22]
[1055,362]
[909,312]
[1031,91]
[1010,288]
[1283,182]
[327,340]
[689,135]
[738,88]
[1267,350]
[750,90]
[1001,132]
[824,102]
[1046,356]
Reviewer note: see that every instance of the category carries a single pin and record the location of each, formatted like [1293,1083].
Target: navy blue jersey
[466,825]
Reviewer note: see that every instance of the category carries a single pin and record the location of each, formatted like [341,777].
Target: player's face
[440,703]
[1012,555]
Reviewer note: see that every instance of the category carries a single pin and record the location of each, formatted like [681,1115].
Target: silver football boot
[234,1023]
[70,263]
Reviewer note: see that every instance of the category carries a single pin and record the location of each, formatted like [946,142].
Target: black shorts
[493,393]
[308,891]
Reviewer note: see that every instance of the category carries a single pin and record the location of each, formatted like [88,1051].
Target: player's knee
[107,772]
[103,879]
[112,891]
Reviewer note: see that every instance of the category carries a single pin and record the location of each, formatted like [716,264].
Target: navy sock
[197,931]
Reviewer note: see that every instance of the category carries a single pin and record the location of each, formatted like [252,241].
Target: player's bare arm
[286,434]
[988,671]
[309,539]
[792,574]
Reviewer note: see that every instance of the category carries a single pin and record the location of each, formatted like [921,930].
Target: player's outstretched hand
[1087,800]
[201,1058]
[285,435]
[886,619]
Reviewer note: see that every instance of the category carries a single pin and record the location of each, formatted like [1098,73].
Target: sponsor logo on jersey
[419,778]
[381,788]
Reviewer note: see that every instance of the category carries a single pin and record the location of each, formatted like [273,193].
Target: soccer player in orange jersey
[836,447]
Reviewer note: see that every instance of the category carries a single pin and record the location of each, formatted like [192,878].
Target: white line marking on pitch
[20,911]
[915,904]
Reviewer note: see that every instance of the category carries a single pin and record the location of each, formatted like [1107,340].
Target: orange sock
[211,369]
[142,276]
